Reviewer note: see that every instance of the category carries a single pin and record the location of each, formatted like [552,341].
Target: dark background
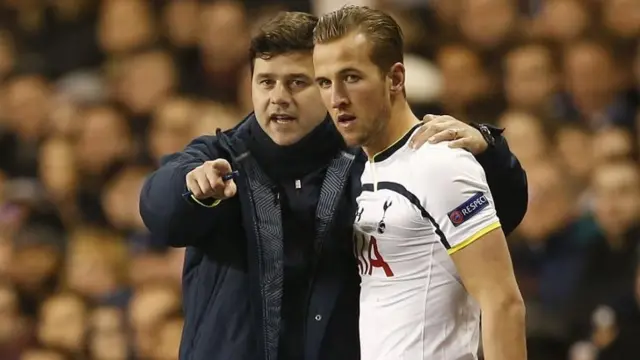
[92,93]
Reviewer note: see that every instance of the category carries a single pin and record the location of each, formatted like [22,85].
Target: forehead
[457,56]
[64,303]
[614,176]
[350,51]
[529,54]
[299,62]
[587,54]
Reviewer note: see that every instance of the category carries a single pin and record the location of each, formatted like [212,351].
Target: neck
[311,153]
[400,121]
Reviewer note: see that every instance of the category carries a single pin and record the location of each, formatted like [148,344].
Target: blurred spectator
[125,25]
[531,79]
[548,252]
[613,143]
[574,143]
[97,267]
[107,336]
[610,267]
[43,354]
[626,325]
[147,79]
[14,331]
[27,107]
[62,323]
[93,93]
[529,137]
[169,338]
[594,83]
[621,18]
[563,21]
[468,91]
[491,25]
[151,306]
[171,127]
[59,175]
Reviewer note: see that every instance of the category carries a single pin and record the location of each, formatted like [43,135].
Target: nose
[339,98]
[280,95]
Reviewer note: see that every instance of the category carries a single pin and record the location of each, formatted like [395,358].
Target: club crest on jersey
[468,209]
[381,225]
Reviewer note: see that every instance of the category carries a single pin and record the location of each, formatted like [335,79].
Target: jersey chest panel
[391,237]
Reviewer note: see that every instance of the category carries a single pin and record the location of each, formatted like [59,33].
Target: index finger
[423,134]
[221,166]
[429,117]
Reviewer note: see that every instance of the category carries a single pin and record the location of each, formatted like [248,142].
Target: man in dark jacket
[269,270]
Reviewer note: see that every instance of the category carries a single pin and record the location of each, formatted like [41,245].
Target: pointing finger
[230,189]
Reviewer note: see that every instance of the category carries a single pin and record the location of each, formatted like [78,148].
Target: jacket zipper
[312,278]
[225,144]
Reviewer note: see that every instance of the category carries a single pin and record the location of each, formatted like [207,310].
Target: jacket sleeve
[173,218]
[507,181]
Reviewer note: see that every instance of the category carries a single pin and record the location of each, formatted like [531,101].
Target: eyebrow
[348,70]
[341,72]
[344,71]
[293,75]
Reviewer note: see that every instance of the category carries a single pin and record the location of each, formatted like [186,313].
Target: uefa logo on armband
[456,217]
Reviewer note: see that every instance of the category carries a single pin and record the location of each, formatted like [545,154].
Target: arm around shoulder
[507,180]
[173,218]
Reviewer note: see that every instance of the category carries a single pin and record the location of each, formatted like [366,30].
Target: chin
[352,141]
[284,139]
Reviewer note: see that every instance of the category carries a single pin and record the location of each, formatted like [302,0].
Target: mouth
[282,118]
[346,119]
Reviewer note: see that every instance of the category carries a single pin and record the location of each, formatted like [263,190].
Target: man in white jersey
[431,251]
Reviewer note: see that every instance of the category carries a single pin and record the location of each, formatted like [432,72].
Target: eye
[323,83]
[266,83]
[298,83]
[351,78]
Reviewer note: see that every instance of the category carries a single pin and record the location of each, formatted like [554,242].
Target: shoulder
[435,158]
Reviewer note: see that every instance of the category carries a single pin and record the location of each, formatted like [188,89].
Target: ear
[397,76]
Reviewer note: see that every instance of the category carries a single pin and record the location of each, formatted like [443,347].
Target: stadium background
[93,93]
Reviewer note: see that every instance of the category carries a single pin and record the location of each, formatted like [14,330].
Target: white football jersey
[416,208]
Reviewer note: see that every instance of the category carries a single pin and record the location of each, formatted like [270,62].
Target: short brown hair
[380,28]
[286,32]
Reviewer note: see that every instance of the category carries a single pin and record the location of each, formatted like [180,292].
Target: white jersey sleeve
[456,196]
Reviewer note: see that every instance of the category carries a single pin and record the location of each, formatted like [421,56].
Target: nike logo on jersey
[468,209]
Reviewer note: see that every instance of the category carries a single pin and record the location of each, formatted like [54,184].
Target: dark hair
[380,28]
[286,32]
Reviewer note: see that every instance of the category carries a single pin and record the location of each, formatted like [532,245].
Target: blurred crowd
[93,93]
